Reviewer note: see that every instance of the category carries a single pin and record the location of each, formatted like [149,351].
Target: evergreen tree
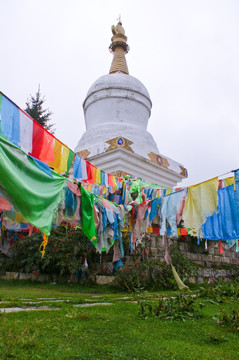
[35,110]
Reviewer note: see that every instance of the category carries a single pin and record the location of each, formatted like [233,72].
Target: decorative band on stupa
[119,48]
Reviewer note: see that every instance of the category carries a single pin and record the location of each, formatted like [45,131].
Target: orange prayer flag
[56,164]
[47,150]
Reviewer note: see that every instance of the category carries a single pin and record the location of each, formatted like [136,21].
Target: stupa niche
[117,108]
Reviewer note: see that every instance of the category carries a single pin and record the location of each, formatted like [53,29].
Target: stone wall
[8,275]
[100,279]
[189,248]
[209,275]
[201,276]
[209,259]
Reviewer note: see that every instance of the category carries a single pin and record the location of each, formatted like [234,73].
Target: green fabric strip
[87,215]
[149,185]
[70,159]
[0,110]
[237,245]
[35,194]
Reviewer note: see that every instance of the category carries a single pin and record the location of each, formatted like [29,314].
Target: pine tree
[35,110]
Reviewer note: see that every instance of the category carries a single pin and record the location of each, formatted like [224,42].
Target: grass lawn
[103,331]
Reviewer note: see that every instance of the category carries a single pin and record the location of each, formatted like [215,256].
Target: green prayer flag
[34,193]
[70,159]
[135,187]
[237,245]
[154,186]
[0,110]
[87,215]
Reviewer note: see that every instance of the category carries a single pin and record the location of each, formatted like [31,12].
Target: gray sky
[185,52]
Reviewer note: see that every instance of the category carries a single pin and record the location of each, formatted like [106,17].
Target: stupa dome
[115,99]
[118,80]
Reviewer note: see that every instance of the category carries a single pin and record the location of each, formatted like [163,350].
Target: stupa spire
[119,48]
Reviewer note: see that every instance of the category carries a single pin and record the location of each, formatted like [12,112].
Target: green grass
[103,332]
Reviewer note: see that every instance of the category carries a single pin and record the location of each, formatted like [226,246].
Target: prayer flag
[201,202]
[87,213]
[35,194]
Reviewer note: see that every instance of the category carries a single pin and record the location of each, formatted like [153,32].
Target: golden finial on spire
[119,48]
[118,29]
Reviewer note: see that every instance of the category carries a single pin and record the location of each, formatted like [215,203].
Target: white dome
[118,81]
[117,104]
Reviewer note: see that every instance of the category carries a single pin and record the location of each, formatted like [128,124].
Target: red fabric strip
[37,139]
[90,173]
[220,248]
[4,204]
[110,180]
[183,231]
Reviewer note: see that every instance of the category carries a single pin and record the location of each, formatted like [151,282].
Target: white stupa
[117,109]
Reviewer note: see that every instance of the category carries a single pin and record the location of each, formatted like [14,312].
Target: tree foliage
[35,110]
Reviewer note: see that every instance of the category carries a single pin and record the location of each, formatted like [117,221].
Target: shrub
[183,265]
[154,274]
[178,307]
[64,253]
[148,274]
[219,292]
[229,320]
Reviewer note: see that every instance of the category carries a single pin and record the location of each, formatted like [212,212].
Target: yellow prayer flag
[114,182]
[19,218]
[149,230]
[201,202]
[64,158]
[229,181]
[179,282]
[56,164]
[43,245]
[98,176]
[168,191]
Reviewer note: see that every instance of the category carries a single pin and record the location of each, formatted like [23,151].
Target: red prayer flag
[183,231]
[4,204]
[110,180]
[90,173]
[156,230]
[37,139]
[220,247]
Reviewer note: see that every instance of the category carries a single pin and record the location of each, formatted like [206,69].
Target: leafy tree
[35,110]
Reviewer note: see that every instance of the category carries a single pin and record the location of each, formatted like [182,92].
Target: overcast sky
[186,53]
